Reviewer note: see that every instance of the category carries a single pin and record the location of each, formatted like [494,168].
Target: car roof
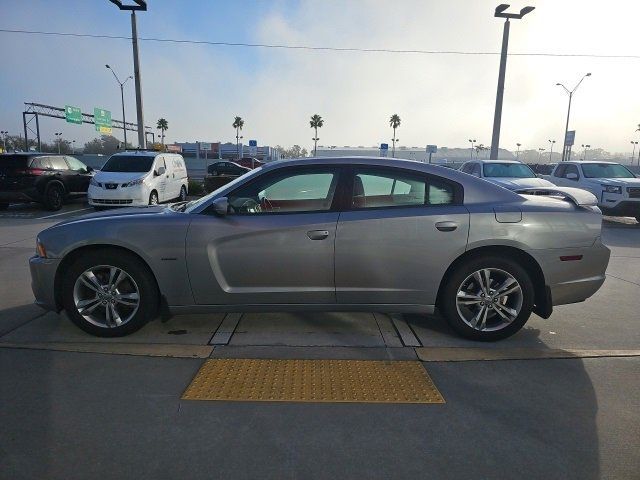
[34,154]
[143,153]
[576,162]
[496,161]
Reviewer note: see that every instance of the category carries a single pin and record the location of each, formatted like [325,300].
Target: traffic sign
[384,148]
[102,119]
[72,114]
[253,147]
[205,147]
[570,138]
[432,148]
[253,143]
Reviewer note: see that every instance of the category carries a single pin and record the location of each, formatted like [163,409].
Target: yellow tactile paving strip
[354,381]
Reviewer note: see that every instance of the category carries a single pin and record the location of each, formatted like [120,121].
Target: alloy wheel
[106,296]
[489,299]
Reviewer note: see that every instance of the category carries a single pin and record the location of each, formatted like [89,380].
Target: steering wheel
[249,205]
[266,205]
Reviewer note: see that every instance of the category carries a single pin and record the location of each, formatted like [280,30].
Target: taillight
[30,171]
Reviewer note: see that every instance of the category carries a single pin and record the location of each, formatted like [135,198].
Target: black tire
[53,196]
[4,206]
[447,303]
[153,198]
[637,217]
[183,193]
[149,297]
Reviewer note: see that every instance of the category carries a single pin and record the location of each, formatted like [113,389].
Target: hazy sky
[441,99]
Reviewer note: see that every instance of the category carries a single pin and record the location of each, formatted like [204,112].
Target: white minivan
[135,178]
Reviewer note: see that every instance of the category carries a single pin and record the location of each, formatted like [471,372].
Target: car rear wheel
[109,293]
[638,218]
[488,298]
[183,193]
[153,198]
[53,197]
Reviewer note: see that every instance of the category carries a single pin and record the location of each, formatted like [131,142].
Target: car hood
[119,213]
[625,182]
[518,183]
[118,177]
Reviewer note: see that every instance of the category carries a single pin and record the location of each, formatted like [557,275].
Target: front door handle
[446,226]
[318,234]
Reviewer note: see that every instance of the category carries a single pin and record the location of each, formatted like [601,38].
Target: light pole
[518,152]
[565,150]
[472,142]
[58,140]
[540,150]
[586,147]
[4,134]
[142,6]
[238,138]
[551,142]
[73,146]
[497,117]
[124,119]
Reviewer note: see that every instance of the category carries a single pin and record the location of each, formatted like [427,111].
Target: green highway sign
[72,114]
[102,119]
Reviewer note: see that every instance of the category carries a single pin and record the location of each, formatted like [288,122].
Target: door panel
[160,182]
[262,259]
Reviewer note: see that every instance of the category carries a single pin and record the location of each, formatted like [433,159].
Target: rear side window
[58,163]
[386,188]
[41,162]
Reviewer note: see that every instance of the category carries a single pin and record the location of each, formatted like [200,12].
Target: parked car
[139,178]
[45,178]
[333,234]
[506,173]
[615,186]
[250,162]
[227,168]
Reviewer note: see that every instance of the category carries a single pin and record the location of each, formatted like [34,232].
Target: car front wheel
[108,293]
[53,197]
[488,298]
[153,198]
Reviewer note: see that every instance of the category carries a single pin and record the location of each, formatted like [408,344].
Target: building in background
[223,151]
[419,154]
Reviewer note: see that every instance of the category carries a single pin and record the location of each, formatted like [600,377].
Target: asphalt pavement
[74,406]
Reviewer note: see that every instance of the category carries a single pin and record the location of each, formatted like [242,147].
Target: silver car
[509,174]
[330,234]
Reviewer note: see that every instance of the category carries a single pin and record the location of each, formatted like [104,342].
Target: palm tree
[316,122]
[394,122]
[238,123]
[163,126]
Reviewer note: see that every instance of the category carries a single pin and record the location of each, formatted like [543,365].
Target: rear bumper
[43,274]
[576,280]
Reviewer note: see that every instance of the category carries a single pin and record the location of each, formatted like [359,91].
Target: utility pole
[140,5]
[472,142]
[124,119]
[497,117]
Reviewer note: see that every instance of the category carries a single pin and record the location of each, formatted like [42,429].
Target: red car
[249,162]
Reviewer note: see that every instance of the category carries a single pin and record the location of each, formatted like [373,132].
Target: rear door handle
[446,226]
[318,234]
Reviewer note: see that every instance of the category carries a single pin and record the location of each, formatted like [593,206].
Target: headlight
[612,188]
[94,182]
[40,250]
[133,183]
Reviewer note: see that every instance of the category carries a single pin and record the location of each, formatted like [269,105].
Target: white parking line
[63,213]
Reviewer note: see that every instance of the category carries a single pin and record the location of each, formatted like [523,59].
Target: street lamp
[540,150]
[472,142]
[518,152]
[142,6]
[4,134]
[497,118]
[633,155]
[565,151]
[58,140]
[124,120]
[586,147]
[238,138]
[73,146]
[551,142]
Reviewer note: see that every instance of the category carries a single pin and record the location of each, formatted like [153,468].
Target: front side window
[475,169]
[384,188]
[507,170]
[75,164]
[128,163]
[606,170]
[571,169]
[293,191]
[559,172]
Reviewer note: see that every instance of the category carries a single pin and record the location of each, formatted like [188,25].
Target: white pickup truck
[615,186]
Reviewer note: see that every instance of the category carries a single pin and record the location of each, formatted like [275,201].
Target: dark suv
[227,168]
[42,177]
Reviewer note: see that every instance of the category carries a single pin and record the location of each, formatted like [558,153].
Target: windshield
[128,163]
[508,170]
[606,170]
[196,203]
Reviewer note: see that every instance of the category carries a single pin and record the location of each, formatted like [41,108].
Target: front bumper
[43,274]
[576,280]
[121,196]
[623,208]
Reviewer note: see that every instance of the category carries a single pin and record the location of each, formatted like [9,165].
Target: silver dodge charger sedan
[330,234]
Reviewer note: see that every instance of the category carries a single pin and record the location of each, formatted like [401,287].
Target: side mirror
[572,176]
[159,172]
[89,169]
[221,206]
